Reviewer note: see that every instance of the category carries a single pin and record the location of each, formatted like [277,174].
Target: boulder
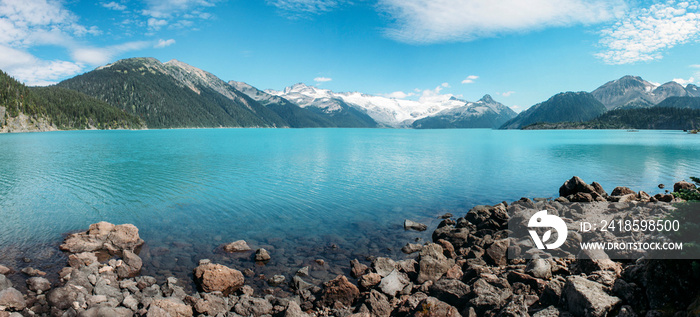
[210,304]
[250,306]
[357,269]
[490,293]
[38,284]
[599,189]
[63,297]
[237,246]
[104,236]
[12,299]
[621,191]
[383,266]
[677,187]
[174,307]
[378,304]
[411,248]
[340,290]
[412,225]
[4,270]
[216,277]
[575,185]
[130,266]
[498,252]
[587,298]
[394,283]
[293,310]
[5,283]
[369,280]
[539,268]
[261,255]
[433,264]
[453,292]
[433,307]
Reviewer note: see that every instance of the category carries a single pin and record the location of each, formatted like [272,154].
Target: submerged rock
[237,246]
[412,225]
[261,255]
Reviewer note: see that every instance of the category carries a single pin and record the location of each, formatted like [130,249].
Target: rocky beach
[467,269]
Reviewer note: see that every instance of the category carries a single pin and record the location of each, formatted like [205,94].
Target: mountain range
[143,92]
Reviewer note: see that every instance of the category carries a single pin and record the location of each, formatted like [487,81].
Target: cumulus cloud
[114,6]
[322,79]
[470,79]
[507,93]
[646,33]
[164,43]
[434,95]
[432,21]
[102,55]
[33,71]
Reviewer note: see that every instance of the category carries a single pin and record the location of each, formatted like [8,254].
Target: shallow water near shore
[304,194]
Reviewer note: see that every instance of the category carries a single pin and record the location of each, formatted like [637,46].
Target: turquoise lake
[304,194]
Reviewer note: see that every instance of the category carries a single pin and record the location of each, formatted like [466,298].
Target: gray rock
[378,304]
[412,225]
[130,302]
[498,252]
[211,304]
[293,310]
[5,283]
[383,266]
[304,271]
[105,311]
[131,265]
[38,284]
[432,307]
[539,268]
[261,255]
[63,297]
[490,294]
[12,299]
[394,282]
[516,307]
[550,311]
[450,291]
[276,280]
[587,298]
[172,306]
[249,306]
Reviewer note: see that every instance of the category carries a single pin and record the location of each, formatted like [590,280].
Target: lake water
[304,194]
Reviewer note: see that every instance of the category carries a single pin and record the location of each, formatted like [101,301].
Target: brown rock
[104,236]
[432,307]
[621,191]
[216,277]
[575,185]
[38,284]
[357,269]
[4,270]
[237,246]
[498,252]
[211,305]
[261,255]
[340,290]
[683,185]
[82,259]
[13,299]
[174,307]
[369,280]
[433,263]
[447,248]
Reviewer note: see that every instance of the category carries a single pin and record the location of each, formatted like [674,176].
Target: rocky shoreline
[464,271]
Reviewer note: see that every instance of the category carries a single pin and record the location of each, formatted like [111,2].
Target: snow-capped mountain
[485,113]
[385,111]
[633,91]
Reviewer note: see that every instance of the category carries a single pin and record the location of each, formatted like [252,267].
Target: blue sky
[519,51]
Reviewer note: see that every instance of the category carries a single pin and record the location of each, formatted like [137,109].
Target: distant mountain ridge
[633,91]
[485,113]
[563,107]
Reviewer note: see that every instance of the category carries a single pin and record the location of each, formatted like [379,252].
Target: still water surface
[305,193]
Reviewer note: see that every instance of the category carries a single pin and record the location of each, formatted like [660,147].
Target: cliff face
[24,123]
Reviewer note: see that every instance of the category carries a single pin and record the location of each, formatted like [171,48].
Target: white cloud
[114,6]
[516,108]
[445,85]
[431,21]
[507,93]
[434,95]
[684,82]
[644,34]
[103,55]
[470,79]
[399,95]
[33,71]
[297,8]
[38,22]
[164,43]
[322,79]
[156,24]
